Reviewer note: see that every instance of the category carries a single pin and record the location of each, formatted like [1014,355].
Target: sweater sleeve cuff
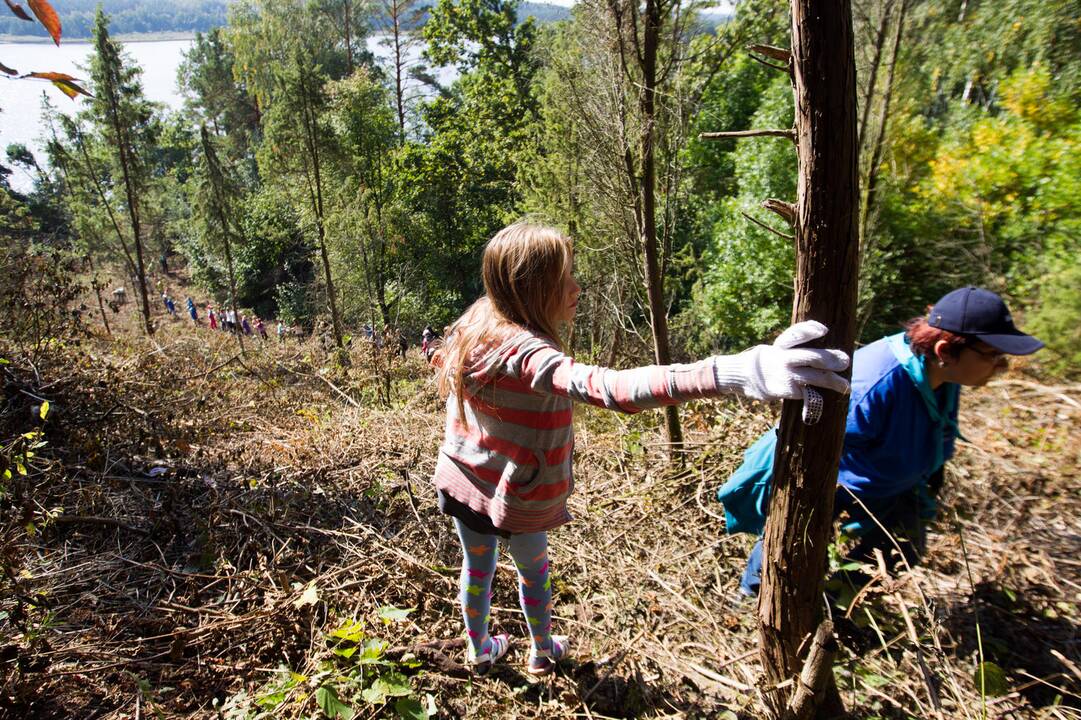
[730,373]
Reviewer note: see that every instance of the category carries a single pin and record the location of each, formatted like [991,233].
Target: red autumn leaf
[17,9]
[47,16]
[6,69]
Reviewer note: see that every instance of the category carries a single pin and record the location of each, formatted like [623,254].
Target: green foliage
[459,178]
[38,286]
[17,455]
[359,674]
[991,201]
[120,114]
[1009,180]
[743,260]
[978,181]
[968,52]
[43,203]
[990,680]
[391,614]
[272,251]
[129,16]
[295,304]
[1057,318]
[271,37]
[368,223]
[207,78]
[186,16]
[271,255]
[331,706]
[484,35]
[728,102]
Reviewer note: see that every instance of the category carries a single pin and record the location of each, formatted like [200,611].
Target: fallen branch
[96,520]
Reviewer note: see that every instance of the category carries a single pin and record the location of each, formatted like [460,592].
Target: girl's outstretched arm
[765,372]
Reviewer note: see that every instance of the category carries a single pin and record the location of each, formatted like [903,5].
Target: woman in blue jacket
[902,422]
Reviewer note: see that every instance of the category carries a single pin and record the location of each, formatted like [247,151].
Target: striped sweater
[511,458]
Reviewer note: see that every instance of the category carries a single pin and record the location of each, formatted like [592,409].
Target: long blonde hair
[523,269]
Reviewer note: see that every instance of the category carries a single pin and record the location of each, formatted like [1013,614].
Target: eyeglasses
[989,354]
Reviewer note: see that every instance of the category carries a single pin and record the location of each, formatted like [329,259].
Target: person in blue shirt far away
[902,422]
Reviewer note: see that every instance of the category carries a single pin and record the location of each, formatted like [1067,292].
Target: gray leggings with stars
[479,554]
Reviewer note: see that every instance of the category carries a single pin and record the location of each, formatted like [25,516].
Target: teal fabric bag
[746,494]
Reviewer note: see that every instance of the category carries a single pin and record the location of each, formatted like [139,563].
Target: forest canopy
[968,128]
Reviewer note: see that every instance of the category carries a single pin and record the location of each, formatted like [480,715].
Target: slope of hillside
[207,533]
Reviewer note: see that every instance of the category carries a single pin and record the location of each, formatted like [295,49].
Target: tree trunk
[349,35]
[124,150]
[800,520]
[96,284]
[316,188]
[651,22]
[108,208]
[872,71]
[868,204]
[877,145]
[217,181]
[399,62]
[126,169]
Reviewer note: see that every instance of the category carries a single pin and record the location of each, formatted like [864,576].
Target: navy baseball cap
[981,314]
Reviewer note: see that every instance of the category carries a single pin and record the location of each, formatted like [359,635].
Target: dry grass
[170,591]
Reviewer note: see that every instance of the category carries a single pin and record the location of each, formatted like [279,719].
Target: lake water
[20,100]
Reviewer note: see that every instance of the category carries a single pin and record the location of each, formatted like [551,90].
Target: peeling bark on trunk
[800,522]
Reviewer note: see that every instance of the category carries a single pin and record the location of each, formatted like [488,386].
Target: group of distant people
[233,322]
[393,339]
[225,320]
[230,321]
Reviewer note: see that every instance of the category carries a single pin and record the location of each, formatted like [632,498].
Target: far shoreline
[123,37]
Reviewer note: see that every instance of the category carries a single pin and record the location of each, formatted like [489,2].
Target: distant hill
[127,16]
[175,16]
[544,12]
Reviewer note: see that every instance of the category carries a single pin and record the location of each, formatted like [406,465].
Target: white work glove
[781,372]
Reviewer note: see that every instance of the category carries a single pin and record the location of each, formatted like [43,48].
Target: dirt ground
[213,534]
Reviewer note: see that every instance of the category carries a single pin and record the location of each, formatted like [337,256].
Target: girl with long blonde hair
[505,466]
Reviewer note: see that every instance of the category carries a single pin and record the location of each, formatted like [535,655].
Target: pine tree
[123,119]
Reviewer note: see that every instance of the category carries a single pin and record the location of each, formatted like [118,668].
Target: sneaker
[482,663]
[743,599]
[543,662]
